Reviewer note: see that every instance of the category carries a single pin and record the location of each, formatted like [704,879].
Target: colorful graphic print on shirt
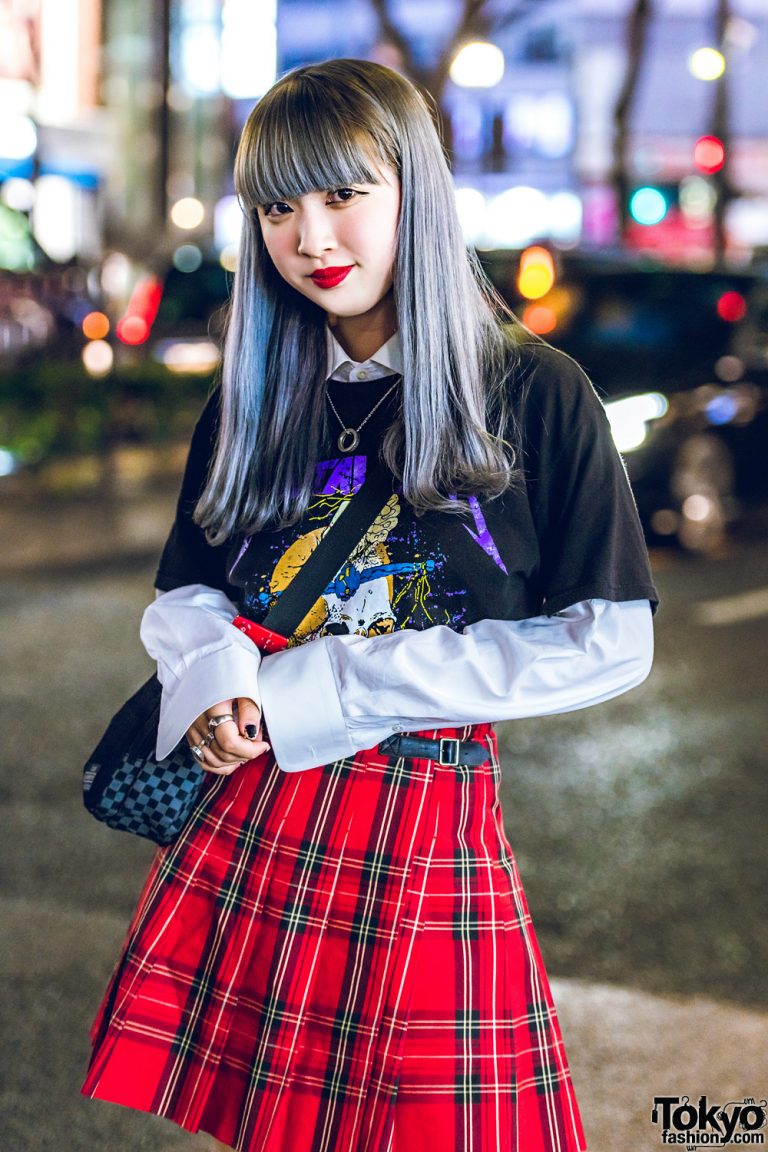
[398,576]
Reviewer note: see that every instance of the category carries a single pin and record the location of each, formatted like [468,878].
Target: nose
[315,232]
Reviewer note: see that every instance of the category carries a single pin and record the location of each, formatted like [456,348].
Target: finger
[211,761]
[248,718]
[222,769]
[252,750]
[239,751]
[222,721]
[230,744]
[201,734]
[199,730]
[199,742]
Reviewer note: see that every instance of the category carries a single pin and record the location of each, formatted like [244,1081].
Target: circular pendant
[348,440]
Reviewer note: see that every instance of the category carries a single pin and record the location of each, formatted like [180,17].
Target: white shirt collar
[388,359]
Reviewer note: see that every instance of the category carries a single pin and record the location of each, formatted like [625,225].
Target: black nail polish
[251,731]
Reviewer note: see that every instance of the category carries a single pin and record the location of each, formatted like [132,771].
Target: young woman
[337,953]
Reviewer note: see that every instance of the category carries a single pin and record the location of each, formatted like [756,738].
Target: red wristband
[264,638]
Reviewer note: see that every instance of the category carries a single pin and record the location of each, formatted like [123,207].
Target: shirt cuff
[224,674]
[339,694]
[320,736]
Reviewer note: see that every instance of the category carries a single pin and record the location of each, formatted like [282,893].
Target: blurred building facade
[126,113]
[54,129]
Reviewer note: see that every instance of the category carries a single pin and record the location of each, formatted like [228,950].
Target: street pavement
[672,1005]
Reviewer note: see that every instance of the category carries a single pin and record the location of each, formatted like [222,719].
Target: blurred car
[750,339]
[176,316]
[665,349]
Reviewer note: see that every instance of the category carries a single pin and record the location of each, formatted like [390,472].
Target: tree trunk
[432,80]
[637,40]
[721,129]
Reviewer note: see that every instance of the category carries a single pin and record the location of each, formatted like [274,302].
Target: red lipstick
[330,277]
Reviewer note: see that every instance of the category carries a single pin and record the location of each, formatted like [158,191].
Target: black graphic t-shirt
[566,531]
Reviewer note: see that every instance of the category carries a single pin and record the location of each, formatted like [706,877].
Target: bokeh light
[537,273]
[477,65]
[516,217]
[7,462]
[187,258]
[95,326]
[188,213]
[732,307]
[57,217]
[98,358]
[706,64]
[629,418]
[709,154]
[228,257]
[227,221]
[729,368]
[18,194]
[540,318]
[698,507]
[565,212]
[697,199]
[18,137]
[471,207]
[648,205]
[132,330]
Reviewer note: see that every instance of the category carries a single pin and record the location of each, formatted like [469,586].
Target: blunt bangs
[302,137]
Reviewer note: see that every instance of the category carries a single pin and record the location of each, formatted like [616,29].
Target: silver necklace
[349,438]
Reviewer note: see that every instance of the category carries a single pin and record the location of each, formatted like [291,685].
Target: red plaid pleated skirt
[341,960]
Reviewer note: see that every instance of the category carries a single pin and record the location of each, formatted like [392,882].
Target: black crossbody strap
[336,546]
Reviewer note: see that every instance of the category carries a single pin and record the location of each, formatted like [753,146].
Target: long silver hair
[322,127]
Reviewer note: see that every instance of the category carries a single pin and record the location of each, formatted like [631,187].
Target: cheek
[386,234]
[377,239]
[278,247]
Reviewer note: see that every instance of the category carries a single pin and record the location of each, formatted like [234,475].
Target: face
[337,247]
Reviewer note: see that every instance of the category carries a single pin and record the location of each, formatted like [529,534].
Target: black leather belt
[448,752]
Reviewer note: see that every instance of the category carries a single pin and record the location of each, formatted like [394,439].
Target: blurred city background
[611,168]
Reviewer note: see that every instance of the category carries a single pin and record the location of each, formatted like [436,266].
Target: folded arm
[339,694]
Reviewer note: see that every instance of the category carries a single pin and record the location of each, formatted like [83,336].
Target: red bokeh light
[709,154]
[731,307]
[134,327]
[132,330]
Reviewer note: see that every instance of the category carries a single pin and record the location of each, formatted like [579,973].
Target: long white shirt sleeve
[339,694]
[201,658]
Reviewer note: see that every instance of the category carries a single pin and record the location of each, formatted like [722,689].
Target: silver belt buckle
[449,758]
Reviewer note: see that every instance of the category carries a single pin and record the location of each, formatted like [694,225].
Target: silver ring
[197,752]
[214,721]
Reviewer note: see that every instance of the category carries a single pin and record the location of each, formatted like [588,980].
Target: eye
[344,195]
[276,209]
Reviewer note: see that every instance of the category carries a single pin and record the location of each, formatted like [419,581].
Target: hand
[231,741]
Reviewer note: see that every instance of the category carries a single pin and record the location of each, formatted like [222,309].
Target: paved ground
[67,884]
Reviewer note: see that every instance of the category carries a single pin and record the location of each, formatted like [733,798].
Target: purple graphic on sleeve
[241,553]
[483,536]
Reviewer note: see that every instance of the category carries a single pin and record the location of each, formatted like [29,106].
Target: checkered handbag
[127,787]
